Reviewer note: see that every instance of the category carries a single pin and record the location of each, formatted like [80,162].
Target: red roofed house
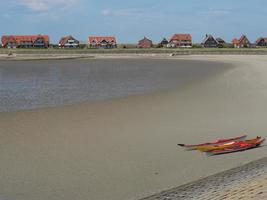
[261,42]
[180,40]
[235,42]
[102,42]
[242,42]
[25,41]
[68,42]
[145,43]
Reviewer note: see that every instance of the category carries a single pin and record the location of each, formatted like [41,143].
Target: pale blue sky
[131,20]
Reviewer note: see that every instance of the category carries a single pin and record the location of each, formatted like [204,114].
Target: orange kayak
[207,148]
[239,146]
[216,142]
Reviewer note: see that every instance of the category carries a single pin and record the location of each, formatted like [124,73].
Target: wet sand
[126,148]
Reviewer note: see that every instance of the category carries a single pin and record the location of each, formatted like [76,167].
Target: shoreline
[248,181]
[32,57]
[29,55]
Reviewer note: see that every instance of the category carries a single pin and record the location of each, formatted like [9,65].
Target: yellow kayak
[214,147]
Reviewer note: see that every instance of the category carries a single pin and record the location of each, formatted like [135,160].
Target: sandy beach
[125,148]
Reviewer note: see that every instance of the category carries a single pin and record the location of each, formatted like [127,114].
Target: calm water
[33,84]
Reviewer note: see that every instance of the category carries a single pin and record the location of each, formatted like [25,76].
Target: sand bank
[126,148]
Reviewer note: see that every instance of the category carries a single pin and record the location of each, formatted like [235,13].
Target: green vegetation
[127,49]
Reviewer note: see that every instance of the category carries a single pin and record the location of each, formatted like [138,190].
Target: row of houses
[26,41]
[243,42]
[176,41]
[42,41]
[185,40]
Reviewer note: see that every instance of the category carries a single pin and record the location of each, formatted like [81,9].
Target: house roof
[209,37]
[220,40]
[164,41]
[99,39]
[243,37]
[235,41]
[261,38]
[22,38]
[238,41]
[145,39]
[180,37]
[6,39]
[63,40]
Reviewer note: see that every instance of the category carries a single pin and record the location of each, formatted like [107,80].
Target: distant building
[25,41]
[221,41]
[145,43]
[102,42]
[235,42]
[68,42]
[209,42]
[180,40]
[164,43]
[261,42]
[242,42]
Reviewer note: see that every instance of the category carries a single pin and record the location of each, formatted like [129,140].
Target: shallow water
[33,84]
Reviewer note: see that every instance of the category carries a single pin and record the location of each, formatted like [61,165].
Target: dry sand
[126,148]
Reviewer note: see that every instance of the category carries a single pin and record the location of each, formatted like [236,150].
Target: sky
[131,20]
